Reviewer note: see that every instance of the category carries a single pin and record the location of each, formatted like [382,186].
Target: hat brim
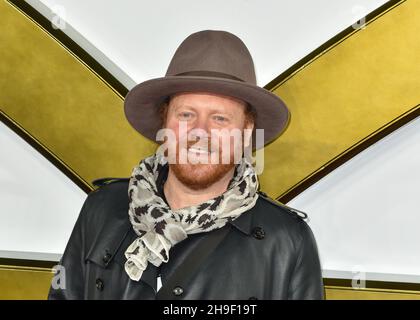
[142,101]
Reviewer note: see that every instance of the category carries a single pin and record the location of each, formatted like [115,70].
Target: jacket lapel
[244,222]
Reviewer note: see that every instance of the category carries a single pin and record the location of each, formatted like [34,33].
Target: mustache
[201,144]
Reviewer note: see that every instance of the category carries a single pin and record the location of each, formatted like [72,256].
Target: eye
[185,115]
[220,119]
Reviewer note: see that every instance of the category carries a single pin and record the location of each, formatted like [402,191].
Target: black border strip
[9,262]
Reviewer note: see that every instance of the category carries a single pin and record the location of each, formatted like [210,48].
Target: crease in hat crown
[217,53]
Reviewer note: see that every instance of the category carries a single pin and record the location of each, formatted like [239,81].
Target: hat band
[214,74]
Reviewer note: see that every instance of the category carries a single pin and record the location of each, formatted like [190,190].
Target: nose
[202,122]
[200,129]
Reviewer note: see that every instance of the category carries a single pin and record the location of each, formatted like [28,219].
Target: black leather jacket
[269,253]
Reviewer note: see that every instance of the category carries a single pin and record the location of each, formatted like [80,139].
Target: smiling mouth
[199,150]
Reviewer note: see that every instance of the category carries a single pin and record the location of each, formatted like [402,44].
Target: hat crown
[213,53]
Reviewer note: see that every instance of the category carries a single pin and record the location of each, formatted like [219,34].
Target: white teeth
[202,151]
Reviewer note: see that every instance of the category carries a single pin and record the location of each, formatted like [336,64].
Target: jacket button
[106,257]
[258,233]
[99,284]
[178,291]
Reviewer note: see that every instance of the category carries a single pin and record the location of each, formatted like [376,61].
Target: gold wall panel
[342,293]
[58,100]
[24,283]
[343,95]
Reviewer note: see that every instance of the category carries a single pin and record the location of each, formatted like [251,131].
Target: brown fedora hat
[207,61]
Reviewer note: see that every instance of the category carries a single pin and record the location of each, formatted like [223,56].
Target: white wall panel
[38,203]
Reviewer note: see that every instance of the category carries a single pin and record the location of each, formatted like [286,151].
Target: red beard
[198,176]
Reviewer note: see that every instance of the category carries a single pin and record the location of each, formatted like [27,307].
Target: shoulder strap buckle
[296,212]
[105,181]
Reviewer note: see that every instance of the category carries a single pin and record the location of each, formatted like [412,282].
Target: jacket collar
[244,222]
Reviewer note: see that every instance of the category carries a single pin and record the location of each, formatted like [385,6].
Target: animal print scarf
[159,228]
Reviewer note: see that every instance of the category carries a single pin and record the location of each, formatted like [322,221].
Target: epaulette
[105,181]
[300,214]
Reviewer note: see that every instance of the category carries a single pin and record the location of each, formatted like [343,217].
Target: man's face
[208,149]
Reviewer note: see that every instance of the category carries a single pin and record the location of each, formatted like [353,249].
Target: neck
[180,196]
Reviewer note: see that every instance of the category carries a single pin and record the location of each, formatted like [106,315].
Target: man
[191,214]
